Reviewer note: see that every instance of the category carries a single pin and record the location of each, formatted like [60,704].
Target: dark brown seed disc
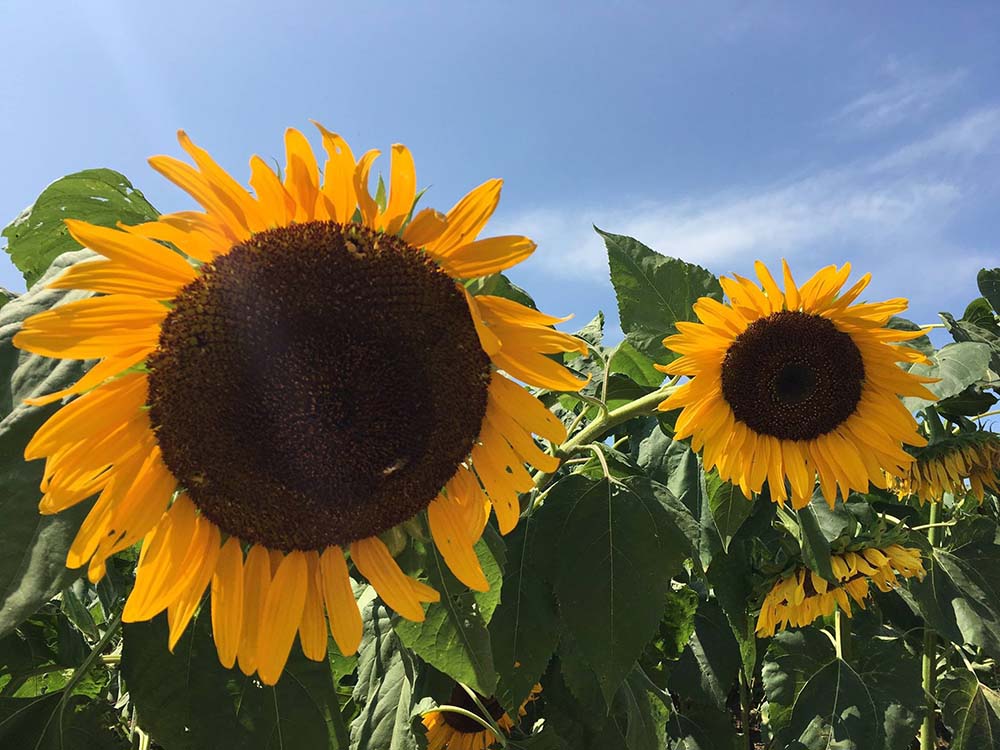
[462,699]
[318,384]
[793,375]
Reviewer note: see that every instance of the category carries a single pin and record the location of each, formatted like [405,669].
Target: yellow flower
[946,466]
[447,730]
[285,376]
[795,384]
[803,596]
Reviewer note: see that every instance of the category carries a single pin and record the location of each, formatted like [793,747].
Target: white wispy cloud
[909,96]
[893,212]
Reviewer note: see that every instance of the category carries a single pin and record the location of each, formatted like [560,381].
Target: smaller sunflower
[946,465]
[447,730]
[797,383]
[803,596]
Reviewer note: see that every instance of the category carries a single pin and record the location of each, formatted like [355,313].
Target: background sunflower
[795,384]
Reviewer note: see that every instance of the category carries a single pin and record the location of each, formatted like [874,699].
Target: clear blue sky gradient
[715,132]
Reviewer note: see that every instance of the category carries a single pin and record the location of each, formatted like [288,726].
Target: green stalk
[605,423]
[928,659]
[842,635]
[745,709]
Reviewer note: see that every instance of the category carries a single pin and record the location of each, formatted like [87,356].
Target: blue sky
[715,132]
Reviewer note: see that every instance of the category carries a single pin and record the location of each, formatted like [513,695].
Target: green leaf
[632,363]
[960,595]
[498,285]
[187,700]
[696,726]
[728,506]
[957,366]
[32,546]
[524,630]
[979,312]
[611,549]
[816,700]
[40,724]
[970,709]
[453,637]
[989,285]
[654,292]
[710,664]
[819,526]
[386,675]
[101,196]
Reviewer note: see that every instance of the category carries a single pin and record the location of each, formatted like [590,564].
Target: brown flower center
[317,384]
[793,375]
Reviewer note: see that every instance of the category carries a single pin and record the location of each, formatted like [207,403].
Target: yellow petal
[256,583]
[182,609]
[312,628]
[488,256]
[338,176]
[425,227]
[113,278]
[227,601]
[341,607]
[525,409]
[301,174]
[94,327]
[107,368]
[131,251]
[452,539]
[467,218]
[373,561]
[402,189]
[286,598]
[367,204]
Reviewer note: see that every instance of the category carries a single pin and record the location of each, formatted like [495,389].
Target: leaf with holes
[100,196]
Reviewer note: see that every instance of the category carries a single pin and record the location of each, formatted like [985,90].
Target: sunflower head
[449,730]
[285,376]
[787,385]
[802,596]
[957,463]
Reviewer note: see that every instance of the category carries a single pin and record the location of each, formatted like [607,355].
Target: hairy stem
[928,659]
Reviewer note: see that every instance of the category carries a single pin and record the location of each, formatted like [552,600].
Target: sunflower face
[803,596]
[284,376]
[792,376]
[788,386]
[449,730]
[334,370]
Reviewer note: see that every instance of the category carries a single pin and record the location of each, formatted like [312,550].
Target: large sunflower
[797,383]
[285,376]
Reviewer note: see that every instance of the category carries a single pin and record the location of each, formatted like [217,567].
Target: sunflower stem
[842,635]
[985,414]
[928,659]
[494,727]
[597,429]
[339,726]
[933,422]
[745,709]
[476,718]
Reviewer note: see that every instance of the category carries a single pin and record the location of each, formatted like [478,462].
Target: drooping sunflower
[285,376]
[948,463]
[804,596]
[448,730]
[796,383]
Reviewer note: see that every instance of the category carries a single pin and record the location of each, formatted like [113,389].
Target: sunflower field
[301,468]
